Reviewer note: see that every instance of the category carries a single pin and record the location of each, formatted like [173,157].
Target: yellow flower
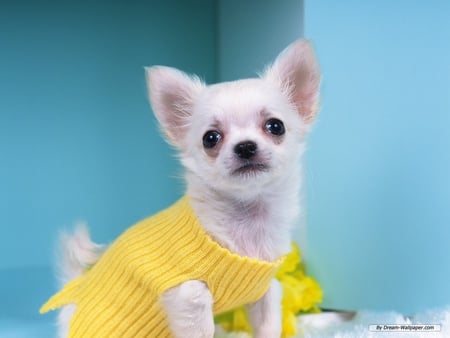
[301,293]
[234,321]
[289,324]
[291,261]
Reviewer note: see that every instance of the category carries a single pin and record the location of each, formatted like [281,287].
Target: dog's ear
[297,73]
[172,95]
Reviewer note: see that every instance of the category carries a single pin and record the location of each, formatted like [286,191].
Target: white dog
[241,143]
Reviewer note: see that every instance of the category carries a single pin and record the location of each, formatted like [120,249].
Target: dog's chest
[253,230]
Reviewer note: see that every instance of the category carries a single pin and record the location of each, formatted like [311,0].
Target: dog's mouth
[250,168]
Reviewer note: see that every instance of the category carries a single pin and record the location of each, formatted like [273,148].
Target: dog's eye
[275,127]
[211,138]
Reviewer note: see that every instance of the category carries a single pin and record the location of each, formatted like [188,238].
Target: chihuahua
[241,144]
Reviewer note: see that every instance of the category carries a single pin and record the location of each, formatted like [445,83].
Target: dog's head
[241,135]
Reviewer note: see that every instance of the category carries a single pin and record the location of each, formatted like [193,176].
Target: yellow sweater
[118,296]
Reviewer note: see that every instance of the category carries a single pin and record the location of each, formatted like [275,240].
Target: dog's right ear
[172,96]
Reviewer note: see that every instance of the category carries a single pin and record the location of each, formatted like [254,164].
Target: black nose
[246,149]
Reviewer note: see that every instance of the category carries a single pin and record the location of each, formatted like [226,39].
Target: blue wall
[379,159]
[251,33]
[77,137]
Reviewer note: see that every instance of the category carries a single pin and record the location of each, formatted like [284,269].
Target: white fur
[250,213]
[265,314]
[189,310]
[76,253]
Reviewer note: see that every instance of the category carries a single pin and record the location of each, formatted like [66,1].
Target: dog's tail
[77,252]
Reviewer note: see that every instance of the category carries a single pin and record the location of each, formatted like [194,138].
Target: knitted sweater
[118,296]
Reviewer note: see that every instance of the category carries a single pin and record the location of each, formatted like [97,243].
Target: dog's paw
[189,310]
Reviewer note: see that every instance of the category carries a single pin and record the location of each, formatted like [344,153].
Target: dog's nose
[246,149]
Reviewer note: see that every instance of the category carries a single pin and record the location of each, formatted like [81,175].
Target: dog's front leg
[265,314]
[189,309]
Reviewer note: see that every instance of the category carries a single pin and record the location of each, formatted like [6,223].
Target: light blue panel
[379,160]
[77,136]
[251,33]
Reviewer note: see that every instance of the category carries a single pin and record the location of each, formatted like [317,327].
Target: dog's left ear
[297,73]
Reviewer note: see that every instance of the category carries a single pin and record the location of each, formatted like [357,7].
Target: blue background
[78,140]
[378,170]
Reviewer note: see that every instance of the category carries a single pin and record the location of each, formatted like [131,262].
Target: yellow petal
[289,327]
